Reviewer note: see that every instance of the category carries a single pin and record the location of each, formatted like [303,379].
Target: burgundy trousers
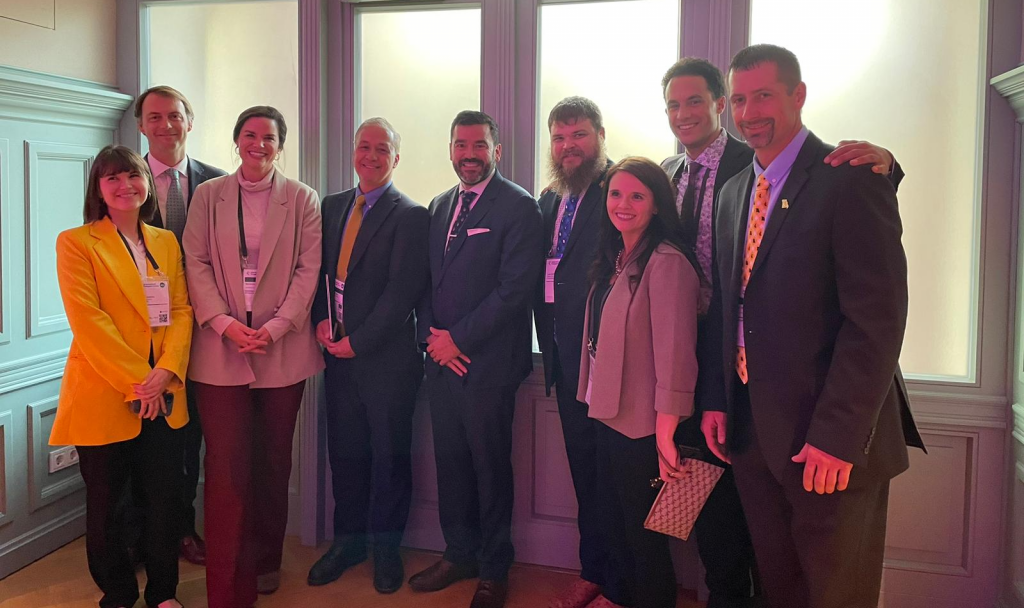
[248,434]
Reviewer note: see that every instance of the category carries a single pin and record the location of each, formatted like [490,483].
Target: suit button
[750,332]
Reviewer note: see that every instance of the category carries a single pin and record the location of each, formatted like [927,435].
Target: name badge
[549,279]
[249,286]
[739,328]
[339,301]
[158,300]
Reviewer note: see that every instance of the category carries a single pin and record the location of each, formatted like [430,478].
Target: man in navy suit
[165,117]
[485,257]
[374,272]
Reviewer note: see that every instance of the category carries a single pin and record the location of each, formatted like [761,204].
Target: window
[224,59]
[911,83]
[418,69]
[615,54]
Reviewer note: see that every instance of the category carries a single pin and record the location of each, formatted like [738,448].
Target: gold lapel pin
[785,203]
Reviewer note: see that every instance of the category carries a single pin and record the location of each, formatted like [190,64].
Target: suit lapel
[674,169]
[277,211]
[591,200]
[226,218]
[120,263]
[798,176]
[476,214]
[381,210]
[739,234]
[196,176]
[332,244]
[439,236]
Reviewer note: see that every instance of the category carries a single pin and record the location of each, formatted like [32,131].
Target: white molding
[39,533]
[961,410]
[5,243]
[1018,423]
[7,453]
[30,371]
[1011,86]
[29,95]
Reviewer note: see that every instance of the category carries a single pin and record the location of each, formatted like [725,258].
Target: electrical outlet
[63,458]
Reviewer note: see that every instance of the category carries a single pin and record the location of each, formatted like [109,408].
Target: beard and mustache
[576,181]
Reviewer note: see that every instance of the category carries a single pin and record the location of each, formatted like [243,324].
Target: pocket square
[476,231]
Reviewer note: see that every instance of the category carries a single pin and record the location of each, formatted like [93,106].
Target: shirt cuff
[221,323]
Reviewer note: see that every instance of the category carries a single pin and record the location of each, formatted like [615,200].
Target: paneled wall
[50,129]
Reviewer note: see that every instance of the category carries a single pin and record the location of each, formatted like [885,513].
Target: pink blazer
[646,354]
[286,282]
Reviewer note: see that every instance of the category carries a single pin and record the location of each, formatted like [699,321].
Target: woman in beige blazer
[639,364]
[252,244]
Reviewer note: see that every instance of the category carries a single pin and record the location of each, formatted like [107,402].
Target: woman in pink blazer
[252,244]
[639,364]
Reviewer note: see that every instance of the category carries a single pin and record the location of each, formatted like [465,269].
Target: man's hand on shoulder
[859,153]
[823,473]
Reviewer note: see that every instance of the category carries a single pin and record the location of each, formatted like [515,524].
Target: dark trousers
[248,463]
[813,551]
[369,437]
[152,462]
[625,469]
[193,443]
[473,452]
[580,434]
[723,540]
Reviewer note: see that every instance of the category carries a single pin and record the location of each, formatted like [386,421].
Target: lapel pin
[785,203]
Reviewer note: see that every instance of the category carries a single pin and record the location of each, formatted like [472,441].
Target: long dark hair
[116,159]
[665,226]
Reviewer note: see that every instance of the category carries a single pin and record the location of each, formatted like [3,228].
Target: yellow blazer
[106,308]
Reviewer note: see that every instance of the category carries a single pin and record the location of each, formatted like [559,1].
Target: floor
[62,579]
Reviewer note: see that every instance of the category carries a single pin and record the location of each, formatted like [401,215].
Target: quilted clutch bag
[679,503]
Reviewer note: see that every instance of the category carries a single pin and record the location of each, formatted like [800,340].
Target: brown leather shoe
[193,550]
[268,583]
[577,595]
[440,575]
[490,594]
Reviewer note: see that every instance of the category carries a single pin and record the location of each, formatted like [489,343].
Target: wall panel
[5,243]
[6,463]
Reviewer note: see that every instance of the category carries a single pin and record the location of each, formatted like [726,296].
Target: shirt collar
[477,188]
[711,155]
[779,168]
[158,168]
[373,195]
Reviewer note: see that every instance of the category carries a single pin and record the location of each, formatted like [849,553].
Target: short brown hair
[786,63]
[571,109]
[116,159]
[163,91]
[268,112]
[695,66]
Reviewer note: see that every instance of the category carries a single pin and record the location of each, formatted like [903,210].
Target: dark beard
[580,179]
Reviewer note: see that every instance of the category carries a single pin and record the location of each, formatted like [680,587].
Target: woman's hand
[669,464]
[258,342]
[154,385]
[245,338]
[150,408]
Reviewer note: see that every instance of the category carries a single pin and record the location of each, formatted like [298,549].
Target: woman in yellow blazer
[252,243]
[123,393]
[639,366]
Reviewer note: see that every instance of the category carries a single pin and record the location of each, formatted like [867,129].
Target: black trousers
[580,434]
[813,551]
[723,540]
[152,462]
[369,434]
[625,469]
[192,445]
[472,431]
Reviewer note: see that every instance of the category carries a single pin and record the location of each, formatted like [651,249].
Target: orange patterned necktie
[755,232]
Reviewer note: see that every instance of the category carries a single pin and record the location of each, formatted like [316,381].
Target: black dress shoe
[490,594]
[337,559]
[442,574]
[388,572]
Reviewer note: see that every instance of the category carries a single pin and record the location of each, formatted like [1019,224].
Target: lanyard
[145,249]
[241,231]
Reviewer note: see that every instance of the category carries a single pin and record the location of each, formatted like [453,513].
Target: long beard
[580,178]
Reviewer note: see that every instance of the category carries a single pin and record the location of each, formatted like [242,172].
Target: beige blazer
[646,358]
[286,282]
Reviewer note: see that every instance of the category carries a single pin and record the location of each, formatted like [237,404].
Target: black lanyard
[241,230]
[145,249]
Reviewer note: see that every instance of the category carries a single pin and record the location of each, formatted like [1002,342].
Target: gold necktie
[755,232]
[348,237]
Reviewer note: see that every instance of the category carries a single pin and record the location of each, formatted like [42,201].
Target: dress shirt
[708,159]
[561,212]
[371,198]
[776,173]
[478,189]
[163,182]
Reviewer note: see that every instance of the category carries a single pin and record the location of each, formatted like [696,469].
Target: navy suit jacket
[481,290]
[824,315]
[387,276]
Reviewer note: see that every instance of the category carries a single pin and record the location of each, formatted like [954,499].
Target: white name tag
[158,300]
[339,301]
[549,279]
[249,286]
